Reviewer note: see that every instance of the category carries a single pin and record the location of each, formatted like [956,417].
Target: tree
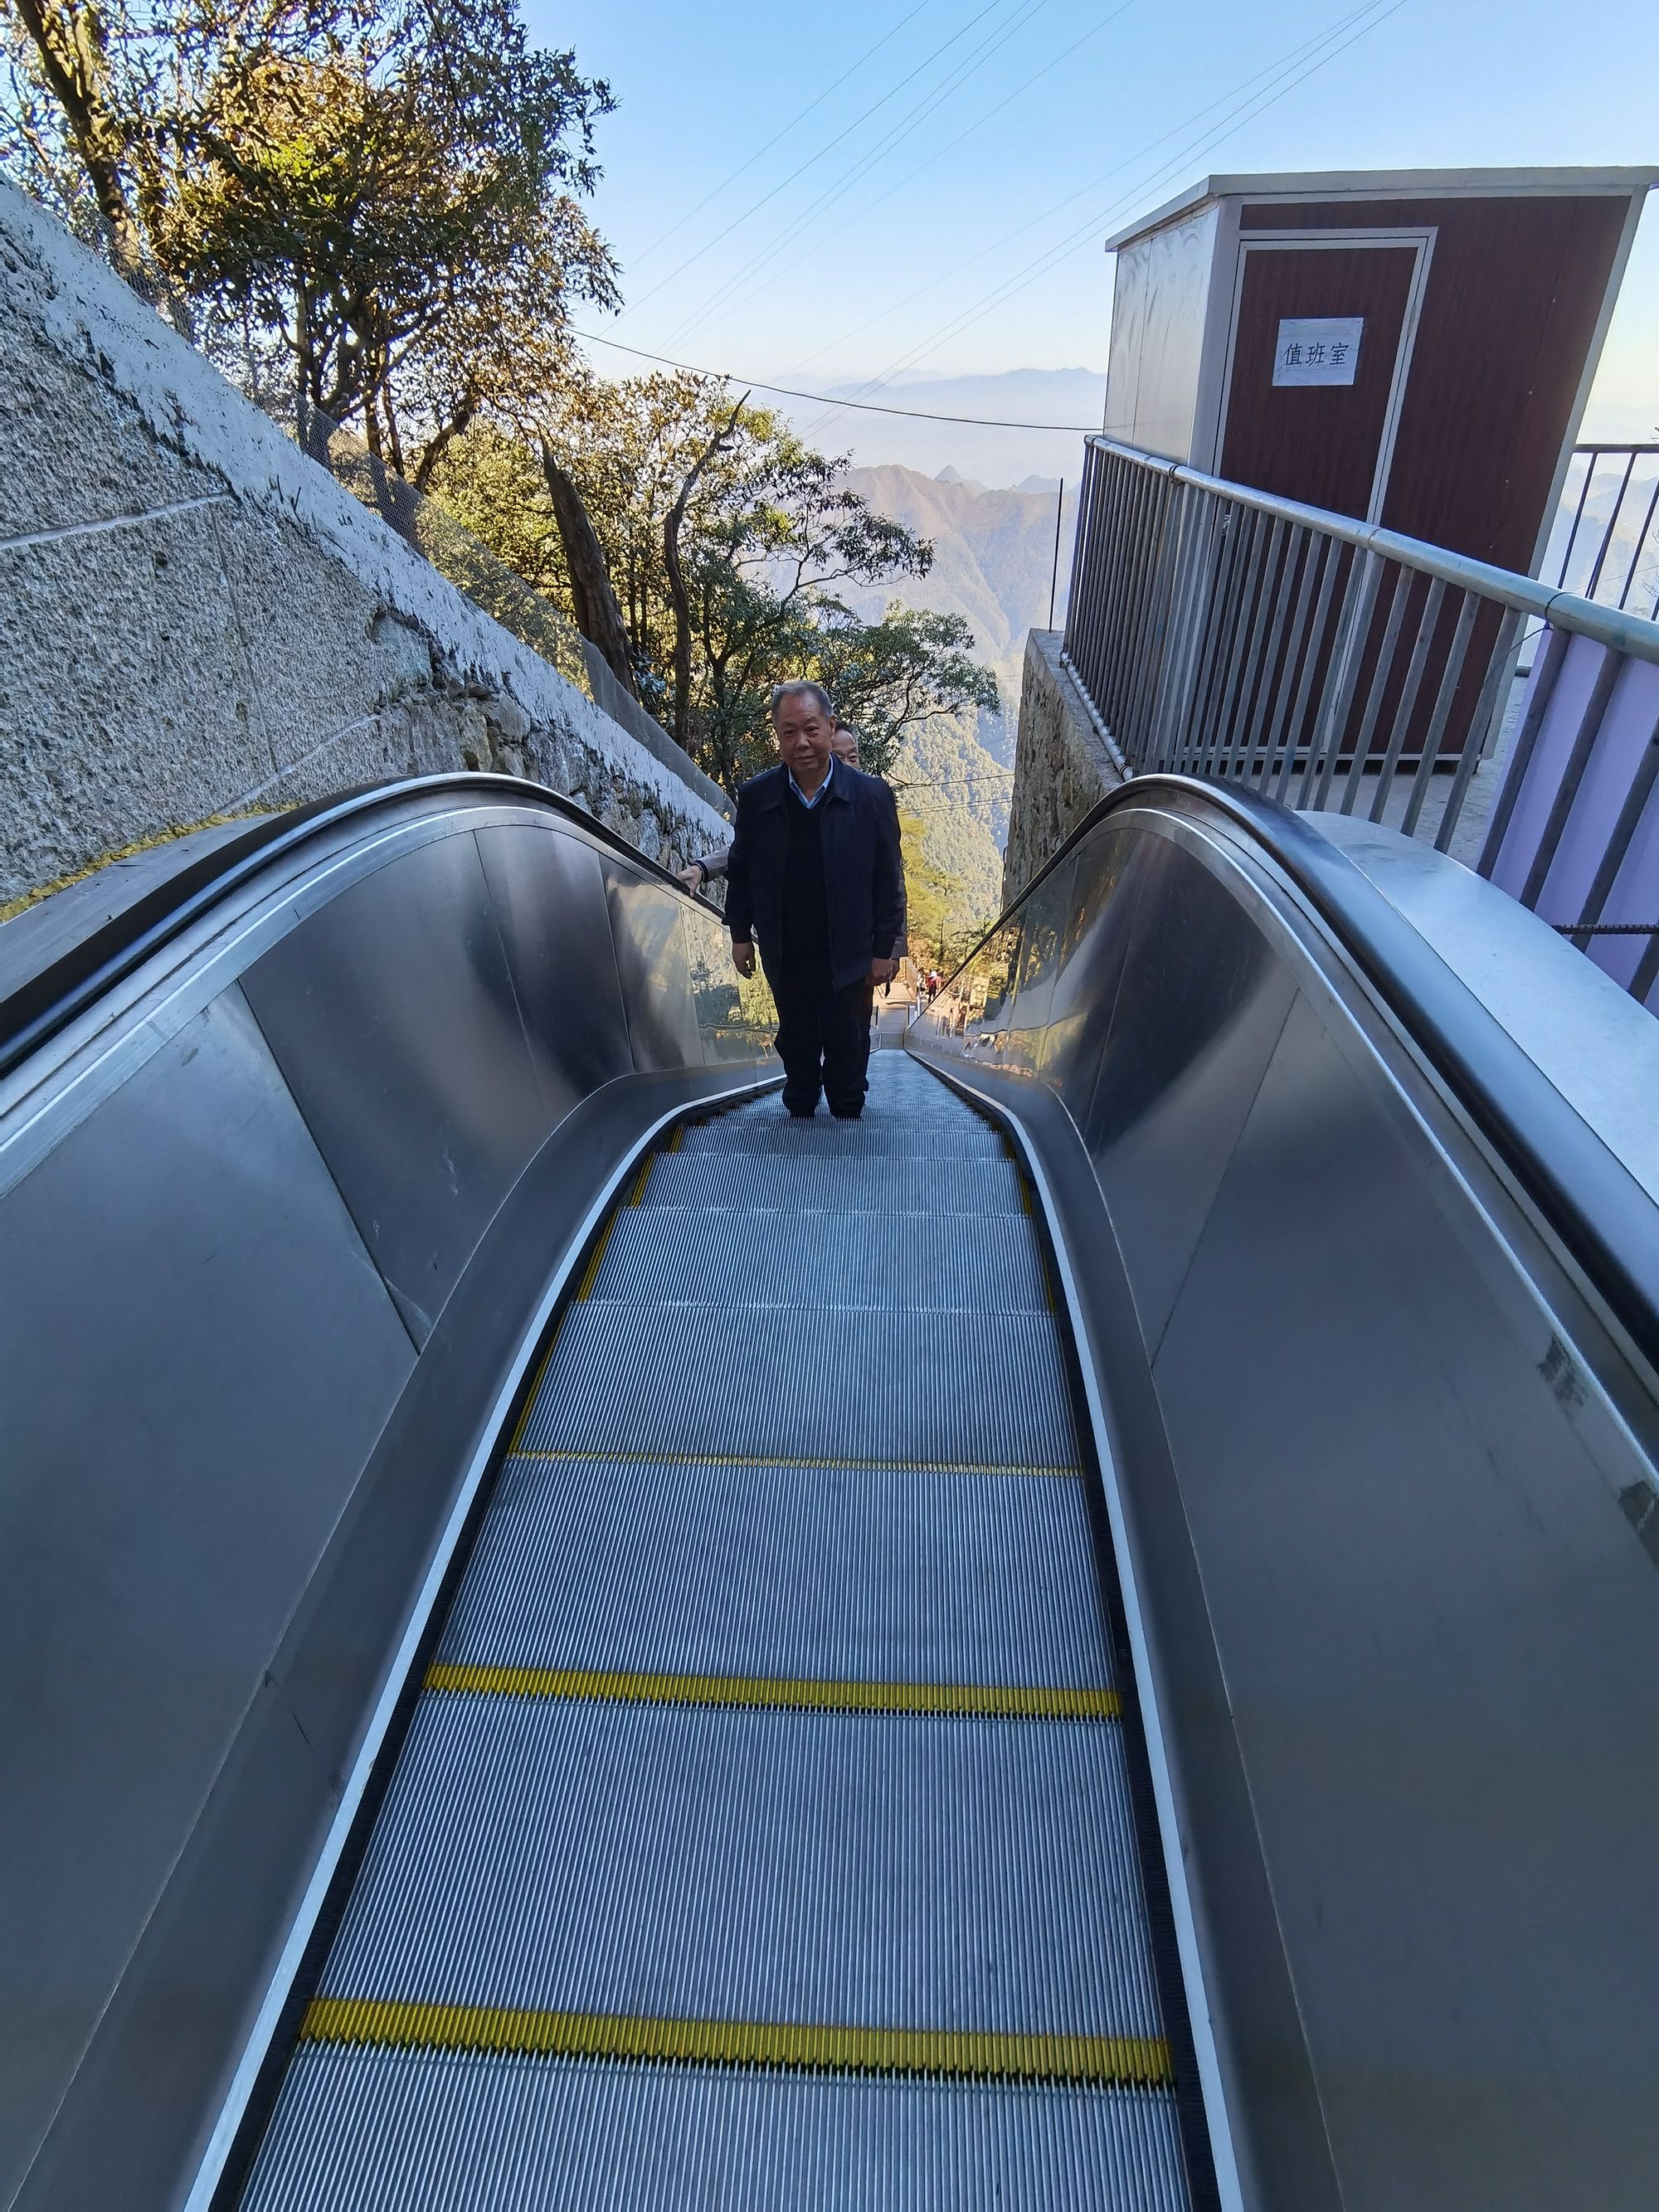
[728,541]
[888,678]
[932,899]
[384,193]
[76,89]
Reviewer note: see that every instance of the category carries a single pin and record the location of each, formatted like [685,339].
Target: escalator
[765,1819]
[1090,1639]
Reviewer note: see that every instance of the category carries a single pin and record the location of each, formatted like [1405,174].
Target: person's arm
[702,873]
[739,901]
[889,901]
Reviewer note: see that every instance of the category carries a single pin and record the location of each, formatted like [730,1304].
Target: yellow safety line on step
[1139,2061]
[592,1273]
[641,1179]
[771,1459]
[999,1700]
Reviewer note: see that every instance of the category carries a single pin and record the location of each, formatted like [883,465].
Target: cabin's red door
[1319,443]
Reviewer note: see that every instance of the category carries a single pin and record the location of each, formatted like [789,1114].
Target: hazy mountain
[994,561]
[1074,396]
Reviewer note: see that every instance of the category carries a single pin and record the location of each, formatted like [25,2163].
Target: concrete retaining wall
[1061,765]
[198,620]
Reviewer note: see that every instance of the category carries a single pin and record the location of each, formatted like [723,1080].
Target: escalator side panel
[1455,1765]
[392,1015]
[228,1469]
[148,1561]
[1383,1495]
[1196,1014]
[648,932]
[549,903]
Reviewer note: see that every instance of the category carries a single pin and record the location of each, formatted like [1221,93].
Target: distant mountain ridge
[994,561]
[996,456]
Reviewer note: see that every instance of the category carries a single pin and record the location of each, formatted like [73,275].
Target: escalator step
[883,1135]
[767,1383]
[763,1837]
[755,1255]
[400,2130]
[866,1572]
[674,1863]
[895,1182]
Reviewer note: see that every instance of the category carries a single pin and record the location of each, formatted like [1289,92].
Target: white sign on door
[1318,349]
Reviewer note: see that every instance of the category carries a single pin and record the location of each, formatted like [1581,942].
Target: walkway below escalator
[762,1838]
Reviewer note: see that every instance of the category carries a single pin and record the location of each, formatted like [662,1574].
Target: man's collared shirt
[809,804]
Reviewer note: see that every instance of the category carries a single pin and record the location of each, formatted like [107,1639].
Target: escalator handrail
[37,1008]
[1599,1213]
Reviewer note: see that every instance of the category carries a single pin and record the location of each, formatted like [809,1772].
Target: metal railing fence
[1224,632]
[1604,542]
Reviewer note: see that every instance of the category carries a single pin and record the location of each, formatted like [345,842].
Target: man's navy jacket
[863,869]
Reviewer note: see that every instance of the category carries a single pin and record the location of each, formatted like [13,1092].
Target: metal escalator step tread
[879,1136]
[879,1573]
[756,1255]
[1127,2062]
[1003,1700]
[879,1183]
[760,1382]
[982,1471]
[368,2128]
[873,1870]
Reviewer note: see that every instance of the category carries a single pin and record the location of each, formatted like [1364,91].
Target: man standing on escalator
[817,875]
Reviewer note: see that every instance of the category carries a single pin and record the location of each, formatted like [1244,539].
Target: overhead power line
[969,66]
[811,160]
[825,398]
[815,104]
[939,152]
[1293,73]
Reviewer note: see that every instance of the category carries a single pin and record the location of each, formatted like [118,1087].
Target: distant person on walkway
[817,875]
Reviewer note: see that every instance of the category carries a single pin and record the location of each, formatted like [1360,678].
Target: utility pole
[1054,580]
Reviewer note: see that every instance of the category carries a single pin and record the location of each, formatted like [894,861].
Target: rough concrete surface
[1062,766]
[200,621]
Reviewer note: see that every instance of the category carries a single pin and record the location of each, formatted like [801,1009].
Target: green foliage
[375,200]
[771,539]
[891,677]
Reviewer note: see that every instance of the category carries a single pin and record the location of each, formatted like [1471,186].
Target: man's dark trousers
[823,1042]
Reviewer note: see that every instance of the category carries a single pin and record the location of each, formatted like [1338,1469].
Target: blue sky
[933,238]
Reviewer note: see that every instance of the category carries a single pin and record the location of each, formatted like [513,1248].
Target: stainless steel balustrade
[1223,632]
[1368,1309]
[278,1207]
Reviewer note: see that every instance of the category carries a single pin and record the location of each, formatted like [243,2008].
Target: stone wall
[1063,765]
[198,620]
